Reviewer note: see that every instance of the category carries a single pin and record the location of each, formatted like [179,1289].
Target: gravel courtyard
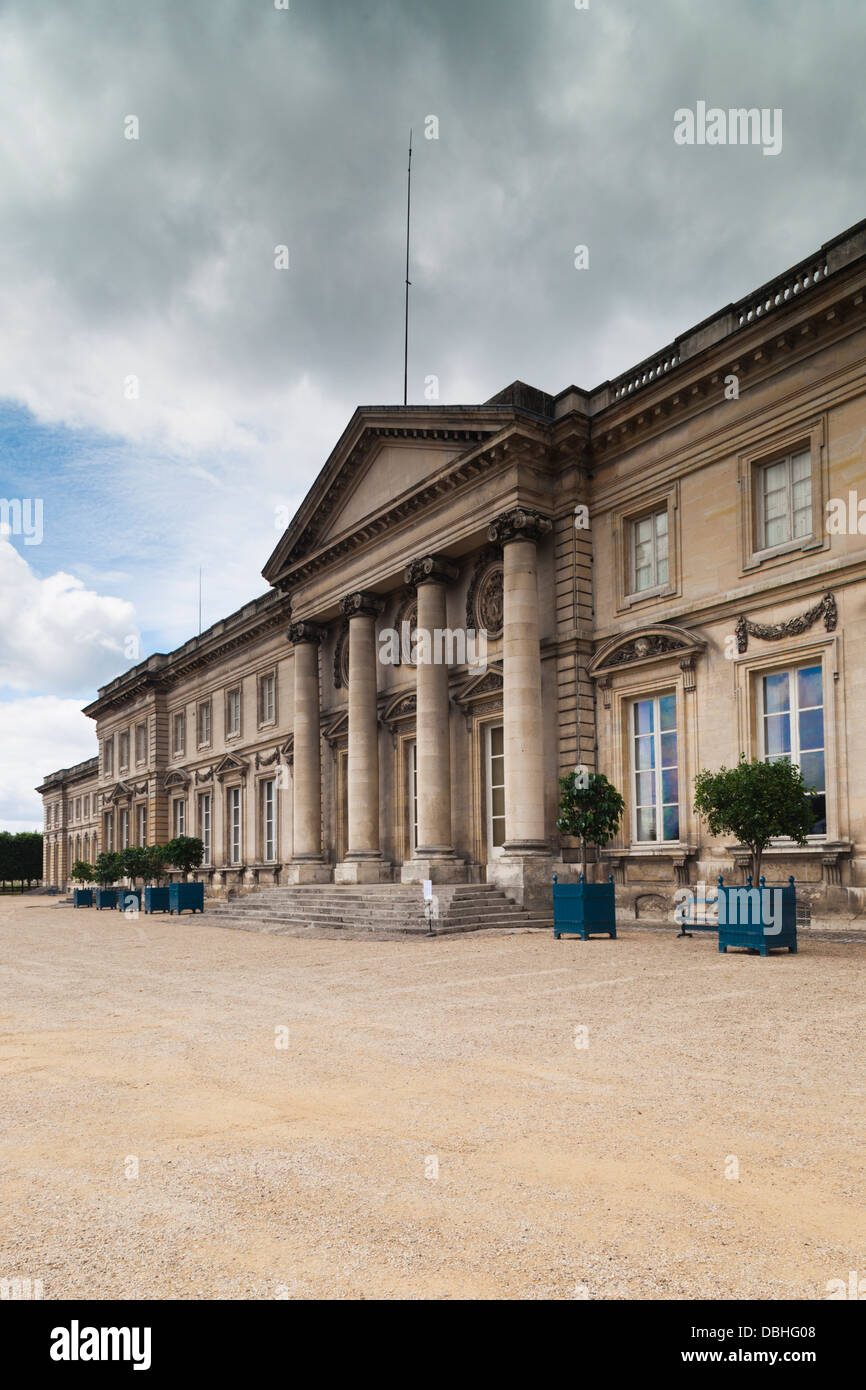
[157,1143]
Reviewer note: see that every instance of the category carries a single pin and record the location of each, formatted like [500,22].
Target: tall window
[649,551]
[233,713]
[267,702]
[179,727]
[792,719]
[655,769]
[413,796]
[204,722]
[109,831]
[124,829]
[785,500]
[495,787]
[78,808]
[204,825]
[179,821]
[123,749]
[141,743]
[234,808]
[86,807]
[269,851]
[141,827]
[108,756]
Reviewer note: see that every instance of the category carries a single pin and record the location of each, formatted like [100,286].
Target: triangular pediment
[119,792]
[230,764]
[482,686]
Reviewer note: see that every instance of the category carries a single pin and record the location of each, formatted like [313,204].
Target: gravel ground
[431,1130]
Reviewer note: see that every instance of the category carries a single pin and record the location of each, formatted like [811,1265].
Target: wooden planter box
[744,919]
[123,899]
[185,896]
[82,897]
[583,909]
[156,899]
[106,897]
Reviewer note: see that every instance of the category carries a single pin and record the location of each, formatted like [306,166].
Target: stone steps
[386,909]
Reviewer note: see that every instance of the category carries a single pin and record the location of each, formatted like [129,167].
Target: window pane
[643,530]
[498,801]
[812,768]
[776,477]
[645,788]
[644,753]
[819,810]
[643,579]
[803,522]
[776,532]
[662,524]
[776,693]
[497,740]
[669,750]
[646,825]
[801,467]
[668,712]
[662,572]
[670,786]
[644,721]
[809,691]
[777,729]
[671,822]
[811,729]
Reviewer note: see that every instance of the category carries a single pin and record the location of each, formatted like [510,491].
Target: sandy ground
[310,1170]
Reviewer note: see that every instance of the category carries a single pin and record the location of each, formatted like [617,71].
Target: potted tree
[590,810]
[757,802]
[156,892]
[185,852]
[133,864]
[82,872]
[105,871]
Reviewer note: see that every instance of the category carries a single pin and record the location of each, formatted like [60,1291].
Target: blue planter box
[82,897]
[183,896]
[751,918]
[581,909]
[128,897]
[156,899]
[106,897]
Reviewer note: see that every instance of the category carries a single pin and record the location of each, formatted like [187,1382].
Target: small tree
[756,801]
[133,862]
[81,872]
[107,868]
[155,864]
[185,852]
[590,810]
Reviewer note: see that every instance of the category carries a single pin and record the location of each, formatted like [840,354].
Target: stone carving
[774,632]
[266,759]
[362,604]
[204,776]
[305,632]
[430,570]
[484,598]
[518,525]
[654,644]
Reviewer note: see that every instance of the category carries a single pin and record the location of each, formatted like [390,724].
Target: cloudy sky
[165,390]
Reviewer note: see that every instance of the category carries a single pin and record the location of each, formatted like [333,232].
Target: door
[494,769]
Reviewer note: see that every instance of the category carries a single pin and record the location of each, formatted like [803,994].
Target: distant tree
[134,862]
[756,801]
[107,868]
[30,855]
[185,852]
[156,864]
[81,872]
[7,858]
[590,810]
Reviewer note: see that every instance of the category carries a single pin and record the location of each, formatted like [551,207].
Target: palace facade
[665,578]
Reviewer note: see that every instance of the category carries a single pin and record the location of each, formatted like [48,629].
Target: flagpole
[408,282]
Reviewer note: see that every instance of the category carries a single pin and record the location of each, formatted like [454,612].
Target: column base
[440,868]
[526,876]
[363,871]
[308,871]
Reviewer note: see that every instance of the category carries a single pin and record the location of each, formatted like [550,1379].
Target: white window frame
[205,824]
[234,811]
[794,718]
[412,792]
[204,724]
[178,815]
[178,723]
[760,501]
[123,828]
[233,695]
[141,740]
[123,751]
[267,681]
[657,769]
[657,584]
[141,823]
[493,851]
[108,756]
[268,797]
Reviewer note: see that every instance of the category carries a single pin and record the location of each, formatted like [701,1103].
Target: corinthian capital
[430,569]
[362,604]
[518,525]
[305,632]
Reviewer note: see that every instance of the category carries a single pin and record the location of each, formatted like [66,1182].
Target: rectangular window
[141,829]
[649,551]
[123,750]
[124,829]
[204,723]
[108,757]
[78,808]
[785,500]
[204,829]
[233,713]
[267,700]
[792,722]
[179,820]
[179,739]
[234,806]
[269,852]
[655,769]
[413,796]
[86,807]
[109,831]
[495,787]
[141,743]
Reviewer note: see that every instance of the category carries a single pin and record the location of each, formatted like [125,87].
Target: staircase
[381,909]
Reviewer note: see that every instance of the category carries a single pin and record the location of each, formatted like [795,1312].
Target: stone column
[363,862]
[308,864]
[434,856]
[526,865]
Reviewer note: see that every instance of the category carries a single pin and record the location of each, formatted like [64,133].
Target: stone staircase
[381,909]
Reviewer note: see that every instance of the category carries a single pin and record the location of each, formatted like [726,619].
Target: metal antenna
[408,281]
[199,602]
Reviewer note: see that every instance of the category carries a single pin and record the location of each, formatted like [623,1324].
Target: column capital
[430,569]
[518,525]
[305,632]
[362,604]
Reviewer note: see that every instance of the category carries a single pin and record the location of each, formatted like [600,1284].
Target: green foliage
[107,868]
[185,852]
[756,801]
[81,872]
[20,857]
[133,862]
[155,864]
[590,813]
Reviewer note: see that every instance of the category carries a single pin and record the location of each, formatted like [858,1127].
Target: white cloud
[43,733]
[55,634]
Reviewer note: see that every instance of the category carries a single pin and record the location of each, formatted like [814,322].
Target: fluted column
[308,864]
[363,862]
[518,532]
[434,856]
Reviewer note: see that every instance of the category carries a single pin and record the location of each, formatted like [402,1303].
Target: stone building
[645,579]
